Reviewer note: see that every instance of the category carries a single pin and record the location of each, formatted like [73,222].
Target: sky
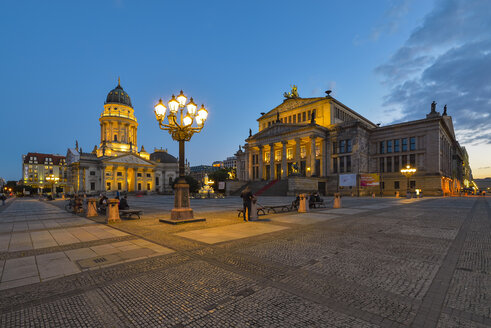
[387,60]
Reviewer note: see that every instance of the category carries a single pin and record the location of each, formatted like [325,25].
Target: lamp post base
[182,211]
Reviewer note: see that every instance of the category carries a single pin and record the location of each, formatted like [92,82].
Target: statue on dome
[292,94]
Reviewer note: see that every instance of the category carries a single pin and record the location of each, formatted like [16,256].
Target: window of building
[266,156]
[342,145]
[119,174]
[148,186]
[108,185]
[277,155]
[303,152]
[139,186]
[389,146]
[304,116]
[396,145]
[412,184]
[115,137]
[157,179]
[334,147]
[396,163]
[170,181]
[317,149]
[403,161]
[309,115]
[92,172]
[119,186]
[348,146]
[299,117]
[382,184]
[412,143]
[149,175]
[381,165]
[404,144]
[382,147]
[294,118]
[341,165]
[348,163]
[289,153]
[139,175]
[396,185]
[335,165]
[389,164]
[412,160]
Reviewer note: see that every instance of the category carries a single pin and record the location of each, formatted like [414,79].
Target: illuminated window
[266,157]
[303,151]
[289,153]
[317,149]
[277,155]
[148,186]
[108,184]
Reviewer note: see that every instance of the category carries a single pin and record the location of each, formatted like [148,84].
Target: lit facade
[38,170]
[117,164]
[310,142]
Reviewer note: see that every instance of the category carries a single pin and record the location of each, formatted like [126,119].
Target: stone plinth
[303,206]
[91,207]
[182,211]
[337,200]
[112,211]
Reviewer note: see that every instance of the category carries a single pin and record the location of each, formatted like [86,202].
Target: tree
[192,182]
[219,175]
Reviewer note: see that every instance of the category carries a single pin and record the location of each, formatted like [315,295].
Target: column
[323,172]
[312,156]
[284,166]
[260,162]
[102,132]
[126,179]
[115,179]
[271,162]
[103,178]
[135,170]
[297,153]
[248,175]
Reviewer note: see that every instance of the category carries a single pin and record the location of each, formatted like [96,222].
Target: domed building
[116,165]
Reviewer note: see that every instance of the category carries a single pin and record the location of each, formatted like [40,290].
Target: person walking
[246,196]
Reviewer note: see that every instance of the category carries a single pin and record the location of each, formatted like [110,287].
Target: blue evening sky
[59,59]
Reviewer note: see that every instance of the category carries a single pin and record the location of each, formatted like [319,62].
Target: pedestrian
[3,199]
[246,196]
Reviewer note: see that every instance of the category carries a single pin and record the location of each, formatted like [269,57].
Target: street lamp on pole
[408,171]
[54,180]
[181,130]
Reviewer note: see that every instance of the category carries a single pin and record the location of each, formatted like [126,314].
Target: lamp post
[54,180]
[408,171]
[180,127]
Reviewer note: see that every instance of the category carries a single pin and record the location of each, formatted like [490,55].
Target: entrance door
[303,167]
[268,173]
[278,171]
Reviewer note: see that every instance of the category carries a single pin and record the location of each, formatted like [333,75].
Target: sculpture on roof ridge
[292,94]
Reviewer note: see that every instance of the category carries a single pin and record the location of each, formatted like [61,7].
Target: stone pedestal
[91,207]
[112,211]
[182,208]
[337,200]
[303,206]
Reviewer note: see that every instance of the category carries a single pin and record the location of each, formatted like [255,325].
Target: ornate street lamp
[408,171]
[181,130]
[54,180]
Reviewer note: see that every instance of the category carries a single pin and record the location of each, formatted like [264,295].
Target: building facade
[313,142]
[41,171]
[116,164]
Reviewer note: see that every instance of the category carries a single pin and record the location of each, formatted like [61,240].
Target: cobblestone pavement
[375,263]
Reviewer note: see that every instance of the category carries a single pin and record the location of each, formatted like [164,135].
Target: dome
[162,157]
[118,96]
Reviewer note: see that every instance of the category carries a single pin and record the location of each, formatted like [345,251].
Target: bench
[318,204]
[278,208]
[130,213]
[260,211]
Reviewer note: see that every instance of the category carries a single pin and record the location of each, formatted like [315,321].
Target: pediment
[291,104]
[280,129]
[128,159]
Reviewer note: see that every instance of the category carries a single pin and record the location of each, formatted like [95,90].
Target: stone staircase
[265,188]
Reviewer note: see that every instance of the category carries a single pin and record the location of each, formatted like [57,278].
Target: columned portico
[312,156]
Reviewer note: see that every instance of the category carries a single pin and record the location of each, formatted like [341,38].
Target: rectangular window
[303,152]
[335,165]
[277,155]
[266,157]
[412,160]
[119,186]
[396,163]
[389,146]
[92,173]
[348,146]
[396,185]
[157,180]
[381,165]
[108,185]
[404,144]
[148,186]
[341,164]
[289,119]
[382,184]
[308,115]
[119,174]
[404,161]
[149,175]
[412,143]
[139,175]
[304,116]
[139,186]
[294,118]
[396,145]
[348,163]
[289,153]
[382,147]
[299,117]
[389,164]
[342,145]
[92,186]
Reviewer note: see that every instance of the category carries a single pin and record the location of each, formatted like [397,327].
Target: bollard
[91,207]
[337,200]
[112,211]
[397,194]
[303,206]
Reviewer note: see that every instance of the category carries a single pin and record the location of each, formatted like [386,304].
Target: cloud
[446,59]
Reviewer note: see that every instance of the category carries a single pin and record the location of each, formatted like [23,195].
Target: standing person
[3,199]
[246,196]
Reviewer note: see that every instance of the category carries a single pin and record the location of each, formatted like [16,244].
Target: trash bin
[303,206]
[337,200]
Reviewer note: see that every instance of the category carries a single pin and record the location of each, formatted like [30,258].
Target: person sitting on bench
[123,204]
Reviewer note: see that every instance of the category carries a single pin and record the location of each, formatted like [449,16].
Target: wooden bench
[278,208]
[130,213]
[260,211]
[318,204]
